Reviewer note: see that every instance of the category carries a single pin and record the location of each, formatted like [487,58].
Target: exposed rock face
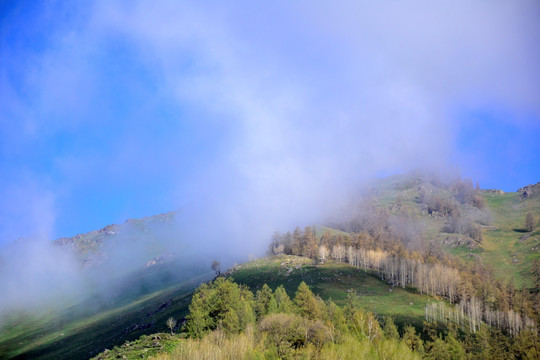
[90,247]
[159,260]
[529,190]
[495,191]
[455,240]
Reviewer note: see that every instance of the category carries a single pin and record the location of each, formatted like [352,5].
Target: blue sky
[116,110]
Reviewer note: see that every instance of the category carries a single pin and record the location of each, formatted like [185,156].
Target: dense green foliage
[315,329]
[222,317]
[334,280]
[221,304]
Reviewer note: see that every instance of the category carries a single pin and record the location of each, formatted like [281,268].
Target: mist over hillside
[102,264]
[421,209]
[248,119]
[142,260]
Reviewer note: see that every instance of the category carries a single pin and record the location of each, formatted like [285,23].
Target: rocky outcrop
[159,260]
[495,191]
[529,190]
[89,247]
[456,240]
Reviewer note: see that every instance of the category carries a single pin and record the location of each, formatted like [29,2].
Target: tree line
[227,320]
[430,271]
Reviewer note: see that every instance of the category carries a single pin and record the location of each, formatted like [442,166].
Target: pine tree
[306,303]
[284,303]
[337,322]
[390,330]
[272,306]
[455,349]
[263,298]
[245,313]
[527,345]
[231,322]
[197,320]
[221,303]
[351,304]
[438,350]
[412,340]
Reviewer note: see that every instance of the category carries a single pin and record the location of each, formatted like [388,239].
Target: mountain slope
[153,282]
[506,248]
[334,281]
[87,328]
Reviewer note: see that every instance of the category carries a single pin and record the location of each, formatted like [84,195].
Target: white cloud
[309,99]
[312,96]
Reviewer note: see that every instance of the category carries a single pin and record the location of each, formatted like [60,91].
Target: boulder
[456,240]
[529,190]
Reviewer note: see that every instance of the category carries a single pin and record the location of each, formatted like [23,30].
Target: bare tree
[529,222]
[216,267]
[323,253]
[171,323]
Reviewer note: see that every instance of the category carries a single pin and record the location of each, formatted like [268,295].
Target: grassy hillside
[329,281]
[399,194]
[83,330]
[132,294]
[332,281]
[507,247]
[86,329]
